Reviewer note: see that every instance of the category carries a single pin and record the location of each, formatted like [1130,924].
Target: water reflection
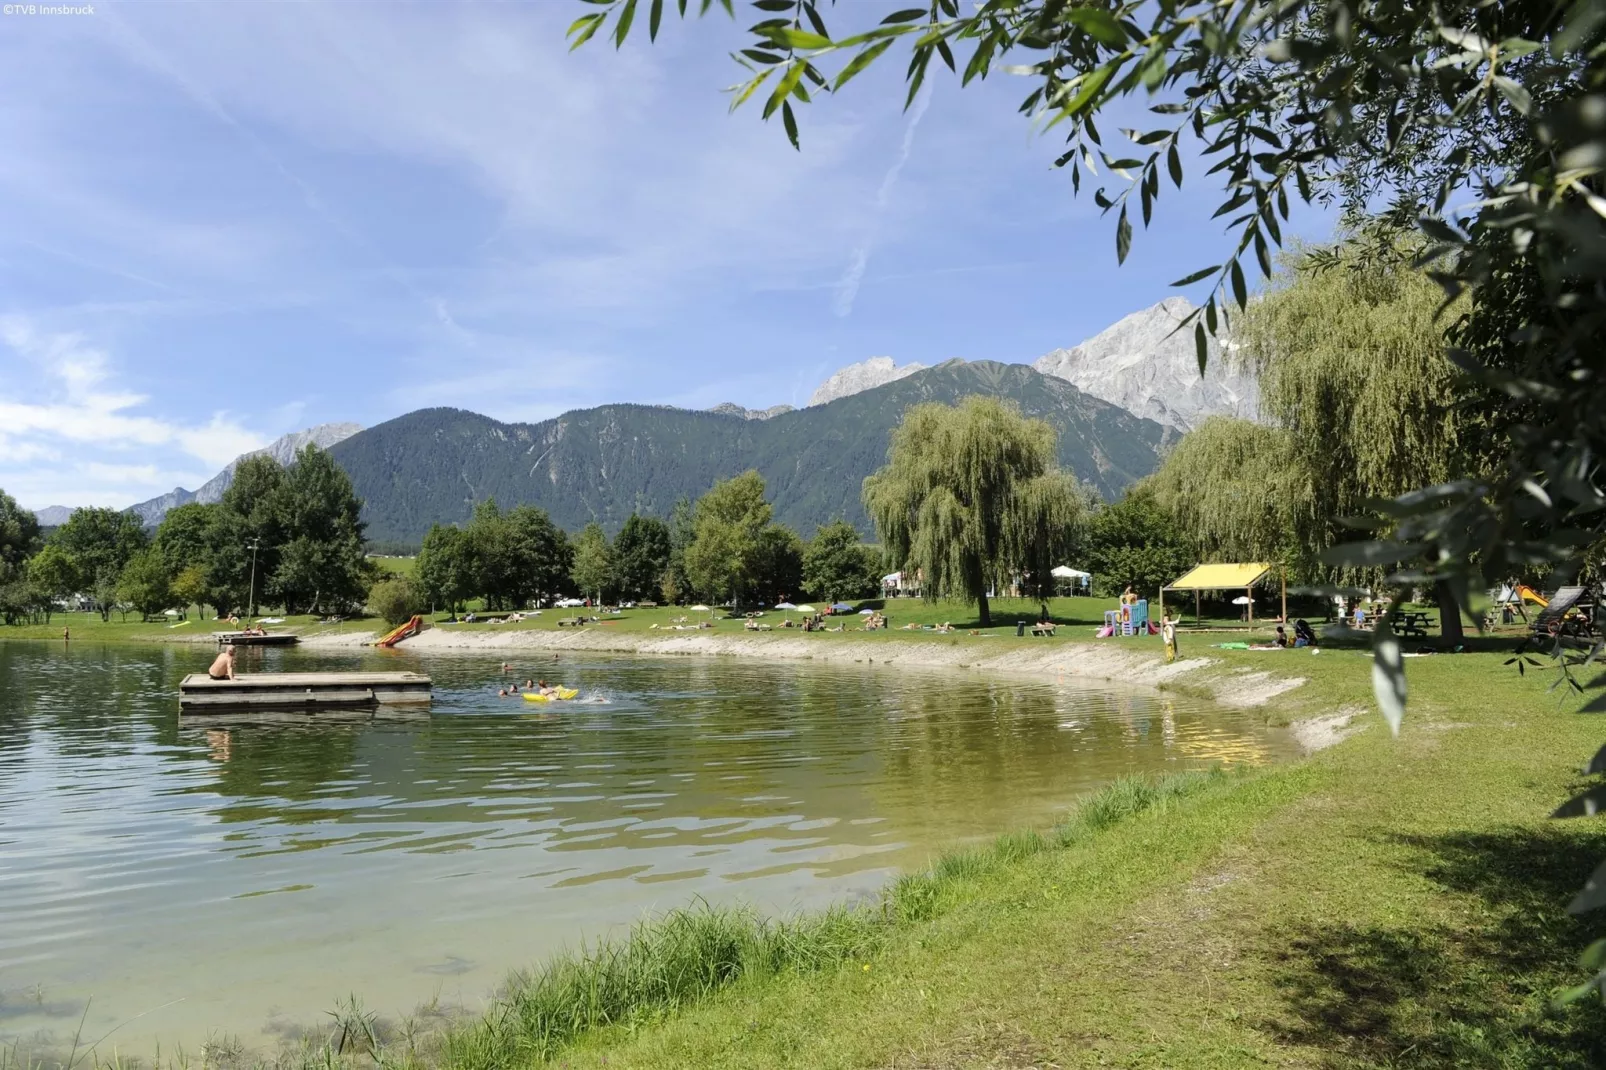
[253,869]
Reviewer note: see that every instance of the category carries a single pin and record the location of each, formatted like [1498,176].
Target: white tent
[891,579]
[1065,572]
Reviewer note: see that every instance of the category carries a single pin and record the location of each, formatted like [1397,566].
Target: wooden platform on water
[199,693]
[242,639]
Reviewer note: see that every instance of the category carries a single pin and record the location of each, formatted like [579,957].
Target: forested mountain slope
[601,464]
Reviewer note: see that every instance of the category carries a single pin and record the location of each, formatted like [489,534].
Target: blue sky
[222,222]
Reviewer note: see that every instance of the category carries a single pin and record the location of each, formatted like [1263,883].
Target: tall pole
[252,546]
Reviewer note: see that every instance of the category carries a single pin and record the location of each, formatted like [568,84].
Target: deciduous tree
[593,568]
[642,551]
[972,497]
[837,564]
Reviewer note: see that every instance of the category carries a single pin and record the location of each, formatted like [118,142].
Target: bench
[571,622]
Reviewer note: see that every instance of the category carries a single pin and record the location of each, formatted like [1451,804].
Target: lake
[183,881]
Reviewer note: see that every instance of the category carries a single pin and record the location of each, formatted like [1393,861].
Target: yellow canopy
[1220,577]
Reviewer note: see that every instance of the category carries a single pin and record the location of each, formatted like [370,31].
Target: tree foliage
[593,568]
[1135,542]
[146,583]
[1234,487]
[99,543]
[642,551]
[19,533]
[721,560]
[395,599]
[446,573]
[971,497]
[775,566]
[837,565]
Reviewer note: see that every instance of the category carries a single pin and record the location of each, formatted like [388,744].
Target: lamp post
[253,546]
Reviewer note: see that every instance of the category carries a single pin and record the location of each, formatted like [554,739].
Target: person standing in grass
[1168,632]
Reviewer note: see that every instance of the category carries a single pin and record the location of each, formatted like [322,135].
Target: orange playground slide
[406,631]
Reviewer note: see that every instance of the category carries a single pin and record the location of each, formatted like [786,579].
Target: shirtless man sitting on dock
[223,667]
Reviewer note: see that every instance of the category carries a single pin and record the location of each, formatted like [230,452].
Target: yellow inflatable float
[558,693]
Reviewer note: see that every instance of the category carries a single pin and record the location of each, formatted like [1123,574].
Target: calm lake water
[207,877]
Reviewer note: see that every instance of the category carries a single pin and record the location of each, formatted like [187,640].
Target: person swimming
[547,689]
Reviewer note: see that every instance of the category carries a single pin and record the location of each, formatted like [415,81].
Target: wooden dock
[251,639]
[199,693]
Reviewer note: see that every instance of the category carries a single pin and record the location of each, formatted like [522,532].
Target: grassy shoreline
[1389,901]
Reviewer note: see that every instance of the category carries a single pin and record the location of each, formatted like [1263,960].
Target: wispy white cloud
[847,290]
[63,416]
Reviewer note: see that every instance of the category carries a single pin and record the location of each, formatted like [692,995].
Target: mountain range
[601,464]
[1116,399]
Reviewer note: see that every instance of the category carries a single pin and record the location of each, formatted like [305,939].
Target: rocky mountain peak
[730,408]
[865,375]
[282,449]
[1145,365]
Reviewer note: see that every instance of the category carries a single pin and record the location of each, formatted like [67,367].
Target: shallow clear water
[171,880]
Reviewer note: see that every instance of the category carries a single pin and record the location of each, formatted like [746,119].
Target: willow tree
[1233,487]
[972,496]
[1349,344]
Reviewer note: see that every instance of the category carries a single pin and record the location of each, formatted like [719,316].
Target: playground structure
[1131,619]
[1571,611]
[406,631]
[1226,577]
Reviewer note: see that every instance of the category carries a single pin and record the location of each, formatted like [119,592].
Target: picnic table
[571,622]
[1043,629]
[1414,624]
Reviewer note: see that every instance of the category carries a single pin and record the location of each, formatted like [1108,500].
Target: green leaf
[775,5]
[979,61]
[1099,24]
[1202,273]
[1147,200]
[1092,85]
[621,29]
[860,62]
[947,55]
[917,77]
[1516,94]
[766,58]
[815,20]
[1173,162]
[1123,238]
[654,18]
[792,37]
[1262,254]
[587,25]
[908,14]
[783,89]
[1240,292]
[751,86]
[790,122]
[1210,314]
[1201,347]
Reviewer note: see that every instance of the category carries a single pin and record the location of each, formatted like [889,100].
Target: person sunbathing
[223,666]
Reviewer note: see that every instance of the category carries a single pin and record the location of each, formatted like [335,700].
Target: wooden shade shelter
[1226,578]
